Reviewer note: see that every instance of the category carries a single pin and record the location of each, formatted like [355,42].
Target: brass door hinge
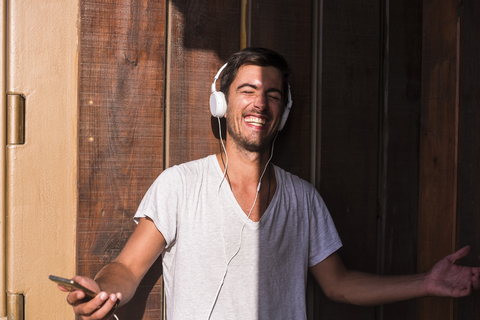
[15,306]
[15,119]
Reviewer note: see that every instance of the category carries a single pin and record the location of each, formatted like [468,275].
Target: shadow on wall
[210,26]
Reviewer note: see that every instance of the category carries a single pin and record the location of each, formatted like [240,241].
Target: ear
[226,109]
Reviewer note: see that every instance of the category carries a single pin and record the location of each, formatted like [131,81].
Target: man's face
[254,107]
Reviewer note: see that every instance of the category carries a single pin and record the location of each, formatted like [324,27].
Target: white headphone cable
[226,156]
[221,217]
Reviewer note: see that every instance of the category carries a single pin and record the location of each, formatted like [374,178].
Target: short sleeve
[324,238]
[161,202]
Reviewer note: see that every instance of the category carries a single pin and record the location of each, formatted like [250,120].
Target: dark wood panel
[469,151]
[286,27]
[203,36]
[437,185]
[400,134]
[349,137]
[121,107]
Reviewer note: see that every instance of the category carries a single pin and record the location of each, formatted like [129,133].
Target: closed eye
[246,88]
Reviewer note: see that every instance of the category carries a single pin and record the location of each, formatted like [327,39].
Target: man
[238,234]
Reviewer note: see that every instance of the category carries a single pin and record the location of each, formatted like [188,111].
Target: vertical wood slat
[3,159]
[469,152]
[121,84]
[315,295]
[203,36]
[438,158]
[401,132]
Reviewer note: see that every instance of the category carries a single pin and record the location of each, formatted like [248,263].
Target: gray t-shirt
[204,227]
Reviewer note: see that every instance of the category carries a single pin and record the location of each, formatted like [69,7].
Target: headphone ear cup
[218,104]
[286,112]
[284,118]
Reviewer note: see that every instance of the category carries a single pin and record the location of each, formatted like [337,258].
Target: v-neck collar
[239,213]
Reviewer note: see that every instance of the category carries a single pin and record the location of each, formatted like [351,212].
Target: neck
[244,165]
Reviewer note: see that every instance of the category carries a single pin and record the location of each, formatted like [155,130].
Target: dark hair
[254,56]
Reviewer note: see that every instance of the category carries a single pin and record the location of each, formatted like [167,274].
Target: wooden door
[40,63]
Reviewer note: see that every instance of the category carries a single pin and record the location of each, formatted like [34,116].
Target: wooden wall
[370,106]
[468,154]
[439,138]
[448,215]
[203,35]
[363,117]
[121,132]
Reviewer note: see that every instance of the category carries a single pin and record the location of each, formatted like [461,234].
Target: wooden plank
[349,137]
[203,36]
[469,152]
[285,26]
[438,143]
[401,125]
[121,94]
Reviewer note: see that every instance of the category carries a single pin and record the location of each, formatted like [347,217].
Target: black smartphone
[72,286]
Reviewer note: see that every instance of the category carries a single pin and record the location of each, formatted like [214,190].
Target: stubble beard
[257,145]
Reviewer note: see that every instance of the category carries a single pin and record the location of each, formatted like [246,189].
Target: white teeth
[255,121]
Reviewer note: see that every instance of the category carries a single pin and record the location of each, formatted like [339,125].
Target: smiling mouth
[259,122]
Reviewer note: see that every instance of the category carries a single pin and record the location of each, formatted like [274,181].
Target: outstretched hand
[447,279]
[100,307]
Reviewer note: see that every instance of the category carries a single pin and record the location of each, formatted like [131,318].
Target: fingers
[100,307]
[461,253]
[74,298]
[62,288]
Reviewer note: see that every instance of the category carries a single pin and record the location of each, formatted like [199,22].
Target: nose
[261,101]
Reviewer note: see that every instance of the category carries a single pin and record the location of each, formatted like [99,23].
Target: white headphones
[218,104]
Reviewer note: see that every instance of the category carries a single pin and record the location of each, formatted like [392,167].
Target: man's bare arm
[142,249]
[445,279]
[118,280]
